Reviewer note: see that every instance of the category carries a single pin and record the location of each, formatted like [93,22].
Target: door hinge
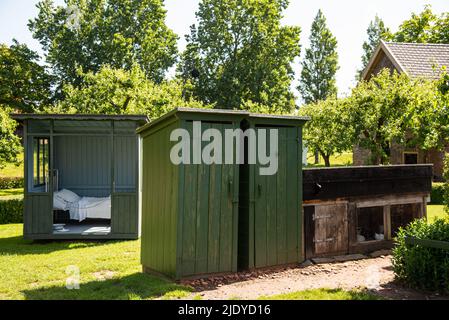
[324,241]
[321,217]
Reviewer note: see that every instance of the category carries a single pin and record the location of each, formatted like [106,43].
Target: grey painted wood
[88,156]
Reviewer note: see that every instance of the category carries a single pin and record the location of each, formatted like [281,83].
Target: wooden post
[387,222]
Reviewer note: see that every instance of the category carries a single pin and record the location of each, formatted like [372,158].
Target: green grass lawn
[108,270]
[436,211]
[325,294]
[11,170]
[11,194]
[338,160]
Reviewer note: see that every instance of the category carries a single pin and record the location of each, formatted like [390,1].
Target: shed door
[210,212]
[277,212]
[331,229]
[38,213]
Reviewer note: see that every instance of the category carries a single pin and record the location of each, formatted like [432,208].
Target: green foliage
[394,108]
[425,27]
[376,31]
[437,194]
[11,183]
[10,146]
[11,211]
[117,91]
[24,84]
[92,33]
[239,55]
[330,130]
[419,266]
[320,64]
[445,185]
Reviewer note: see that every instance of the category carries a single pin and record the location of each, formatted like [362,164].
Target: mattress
[90,208]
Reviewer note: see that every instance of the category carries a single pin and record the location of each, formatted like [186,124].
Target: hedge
[11,183]
[422,267]
[11,211]
[437,195]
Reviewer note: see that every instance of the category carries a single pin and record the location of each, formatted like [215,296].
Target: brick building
[415,60]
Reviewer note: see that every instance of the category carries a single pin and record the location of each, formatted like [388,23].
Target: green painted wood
[38,218]
[159,203]
[277,205]
[214,209]
[427,243]
[208,235]
[82,152]
[124,213]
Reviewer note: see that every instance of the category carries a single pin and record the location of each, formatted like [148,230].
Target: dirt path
[375,274]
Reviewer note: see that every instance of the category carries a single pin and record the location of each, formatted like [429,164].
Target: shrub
[418,266]
[11,211]
[445,187]
[437,195]
[11,183]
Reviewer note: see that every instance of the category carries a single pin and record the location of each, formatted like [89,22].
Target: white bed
[82,208]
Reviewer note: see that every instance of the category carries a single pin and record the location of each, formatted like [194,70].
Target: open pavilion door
[38,193]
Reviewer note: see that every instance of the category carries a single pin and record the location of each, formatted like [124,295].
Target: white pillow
[59,204]
[67,196]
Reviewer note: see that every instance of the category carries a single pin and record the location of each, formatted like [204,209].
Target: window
[40,161]
[370,224]
[410,158]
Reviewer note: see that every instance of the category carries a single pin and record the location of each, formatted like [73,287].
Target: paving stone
[350,257]
[323,260]
[306,263]
[380,253]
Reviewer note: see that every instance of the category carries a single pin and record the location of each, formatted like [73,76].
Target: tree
[118,91]
[88,34]
[10,146]
[419,28]
[25,85]
[240,54]
[392,108]
[320,64]
[376,31]
[440,32]
[330,130]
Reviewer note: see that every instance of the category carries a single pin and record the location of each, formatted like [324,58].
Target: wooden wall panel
[84,164]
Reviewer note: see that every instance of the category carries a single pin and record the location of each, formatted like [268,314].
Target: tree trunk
[327,161]
[317,157]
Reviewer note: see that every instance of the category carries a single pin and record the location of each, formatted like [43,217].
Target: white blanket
[92,208]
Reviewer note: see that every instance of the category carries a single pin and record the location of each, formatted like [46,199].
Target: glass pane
[40,161]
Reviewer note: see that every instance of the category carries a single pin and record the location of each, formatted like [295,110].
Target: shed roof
[141,119]
[223,112]
[414,59]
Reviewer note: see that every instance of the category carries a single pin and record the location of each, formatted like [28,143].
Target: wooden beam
[427,243]
[389,201]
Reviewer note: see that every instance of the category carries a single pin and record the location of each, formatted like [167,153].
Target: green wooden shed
[81,176]
[201,218]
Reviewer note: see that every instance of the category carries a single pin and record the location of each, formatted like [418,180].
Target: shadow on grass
[326,294]
[135,286]
[20,246]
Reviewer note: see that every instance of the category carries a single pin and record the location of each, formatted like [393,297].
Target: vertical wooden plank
[293,194]
[282,194]
[387,222]
[261,234]
[214,214]
[271,220]
[202,219]
[189,214]
[226,213]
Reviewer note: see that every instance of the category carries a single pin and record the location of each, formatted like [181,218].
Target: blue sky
[348,20]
